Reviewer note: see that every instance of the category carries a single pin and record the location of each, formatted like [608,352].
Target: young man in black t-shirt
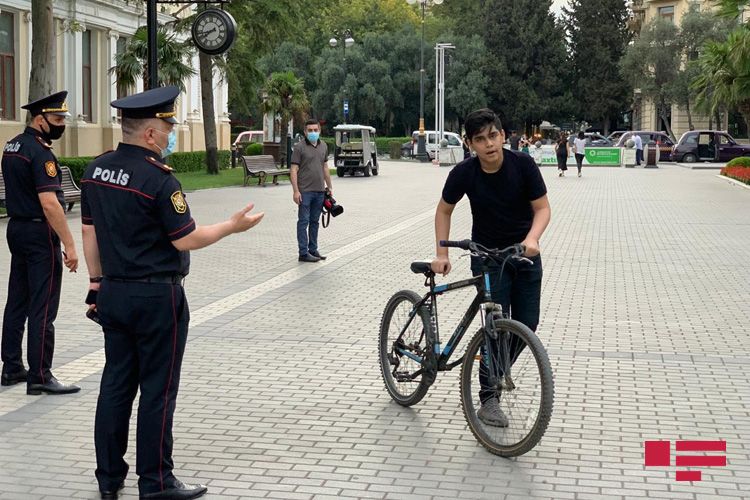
[509,205]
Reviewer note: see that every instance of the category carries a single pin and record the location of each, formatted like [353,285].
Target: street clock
[214,31]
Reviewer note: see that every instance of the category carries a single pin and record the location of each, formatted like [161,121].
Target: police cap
[54,104]
[154,103]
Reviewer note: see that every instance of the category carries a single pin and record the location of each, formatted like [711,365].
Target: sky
[557,5]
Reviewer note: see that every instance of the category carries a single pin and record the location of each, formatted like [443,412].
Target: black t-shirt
[514,142]
[29,168]
[500,202]
[138,209]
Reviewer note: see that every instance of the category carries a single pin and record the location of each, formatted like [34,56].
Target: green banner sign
[603,156]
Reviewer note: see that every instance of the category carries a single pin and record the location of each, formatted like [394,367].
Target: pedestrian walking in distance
[562,151]
[579,147]
[137,233]
[37,226]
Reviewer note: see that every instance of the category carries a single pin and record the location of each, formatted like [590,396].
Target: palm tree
[284,95]
[171,55]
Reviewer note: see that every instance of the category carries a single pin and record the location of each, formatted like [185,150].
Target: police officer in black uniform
[35,204]
[137,230]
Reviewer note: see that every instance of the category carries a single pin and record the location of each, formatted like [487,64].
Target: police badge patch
[178,202]
[50,168]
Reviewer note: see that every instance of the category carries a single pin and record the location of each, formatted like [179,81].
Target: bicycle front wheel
[507,389]
[403,348]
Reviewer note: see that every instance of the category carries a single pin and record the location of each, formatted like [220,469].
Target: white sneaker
[491,414]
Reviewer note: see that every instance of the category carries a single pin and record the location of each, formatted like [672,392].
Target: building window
[667,13]
[86,75]
[7,67]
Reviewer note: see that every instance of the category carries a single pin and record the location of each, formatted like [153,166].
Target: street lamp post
[345,37]
[421,143]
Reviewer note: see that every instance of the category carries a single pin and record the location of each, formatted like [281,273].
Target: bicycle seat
[422,267]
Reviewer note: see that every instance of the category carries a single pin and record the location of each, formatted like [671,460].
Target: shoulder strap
[162,166]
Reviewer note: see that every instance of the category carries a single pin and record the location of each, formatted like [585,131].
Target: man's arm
[204,236]
[296,195]
[91,255]
[542,214]
[441,264]
[327,177]
[55,215]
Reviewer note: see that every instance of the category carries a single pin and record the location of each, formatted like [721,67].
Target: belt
[29,219]
[173,279]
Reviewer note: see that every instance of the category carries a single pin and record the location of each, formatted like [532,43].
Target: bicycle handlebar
[518,249]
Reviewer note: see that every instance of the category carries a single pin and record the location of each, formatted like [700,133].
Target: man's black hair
[480,119]
[311,121]
[581,135]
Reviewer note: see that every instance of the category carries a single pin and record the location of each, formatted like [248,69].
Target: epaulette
[104,153]
[41,141]
[159,164]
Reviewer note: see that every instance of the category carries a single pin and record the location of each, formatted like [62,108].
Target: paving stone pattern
[644,314]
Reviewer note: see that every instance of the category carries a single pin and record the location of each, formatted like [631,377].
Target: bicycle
[499,355]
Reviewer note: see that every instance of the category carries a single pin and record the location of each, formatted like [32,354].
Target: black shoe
[14,378]
[308,258]
[53,386]
[179,491]
[317,254]
[112,494]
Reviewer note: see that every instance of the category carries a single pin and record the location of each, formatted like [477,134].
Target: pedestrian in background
[310,179]
[513,140]
[638,144]
[525,145]
[579,147]
[37,226]
[137,234]
[562,151]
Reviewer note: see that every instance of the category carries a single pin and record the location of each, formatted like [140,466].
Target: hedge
[254,149]
[740,161]
[180,162]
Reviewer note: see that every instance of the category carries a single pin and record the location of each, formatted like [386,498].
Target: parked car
[614,136]
[410,148]
[593,139]
[245,138]
[660,139]
[708,145]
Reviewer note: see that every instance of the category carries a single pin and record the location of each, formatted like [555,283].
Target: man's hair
[311,121]
[131,126]
[478,120]
[581,135]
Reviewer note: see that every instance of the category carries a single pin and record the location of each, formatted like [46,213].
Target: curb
[733,181]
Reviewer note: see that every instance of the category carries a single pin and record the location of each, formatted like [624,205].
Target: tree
[285,96]
[43,71]
[171,55]
[651,63]
[598,35]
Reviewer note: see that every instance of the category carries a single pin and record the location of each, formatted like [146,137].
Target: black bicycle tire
[383,348]
[547,391]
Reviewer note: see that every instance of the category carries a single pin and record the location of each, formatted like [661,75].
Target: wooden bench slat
[261,166]
[71,192]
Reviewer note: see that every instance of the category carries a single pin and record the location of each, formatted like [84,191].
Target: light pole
[421,143]
[345,37]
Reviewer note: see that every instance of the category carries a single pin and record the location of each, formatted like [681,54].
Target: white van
[454,141]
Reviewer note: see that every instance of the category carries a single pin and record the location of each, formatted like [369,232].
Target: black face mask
[55,131]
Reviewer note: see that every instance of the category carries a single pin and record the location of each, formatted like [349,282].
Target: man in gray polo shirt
[310,178]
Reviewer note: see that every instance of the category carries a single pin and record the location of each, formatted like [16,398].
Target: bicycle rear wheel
[515,369]
[401,355]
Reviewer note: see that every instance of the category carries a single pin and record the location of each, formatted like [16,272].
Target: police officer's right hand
[441,265]
[243,220]
[70,258]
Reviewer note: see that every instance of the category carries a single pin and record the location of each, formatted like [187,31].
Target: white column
[111,90]
[73,70]
[24,67]
[195,93]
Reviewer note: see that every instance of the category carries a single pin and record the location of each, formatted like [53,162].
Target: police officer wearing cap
[35,204]
[137,231]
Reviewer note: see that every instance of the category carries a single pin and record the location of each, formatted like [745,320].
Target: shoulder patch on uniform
[43,143]
[159,164]
[178,202]
[50,168]
[104,153]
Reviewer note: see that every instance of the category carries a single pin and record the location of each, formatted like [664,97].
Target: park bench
[71,192]
[261,167]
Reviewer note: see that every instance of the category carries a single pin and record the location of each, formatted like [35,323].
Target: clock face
[214,31]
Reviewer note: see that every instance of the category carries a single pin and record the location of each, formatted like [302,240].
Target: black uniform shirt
[137,208]
[500,202]
[29,168]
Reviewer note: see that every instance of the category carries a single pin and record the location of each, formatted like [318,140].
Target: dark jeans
[518,292]
[579,161]
[638,156]
[308,221]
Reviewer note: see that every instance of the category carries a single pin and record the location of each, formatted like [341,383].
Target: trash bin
[272,148]
[652,155]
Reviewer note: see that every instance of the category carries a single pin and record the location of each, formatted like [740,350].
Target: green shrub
[254,149]
[77,165]
[383,143]
[740,161]
[394,147]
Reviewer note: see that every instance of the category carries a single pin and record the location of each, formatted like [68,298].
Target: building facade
[645,115]
[88,34]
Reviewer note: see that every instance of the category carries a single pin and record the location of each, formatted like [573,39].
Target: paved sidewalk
[644,313]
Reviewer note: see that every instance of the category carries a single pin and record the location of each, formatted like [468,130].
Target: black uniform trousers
[33,293]
[145,330]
